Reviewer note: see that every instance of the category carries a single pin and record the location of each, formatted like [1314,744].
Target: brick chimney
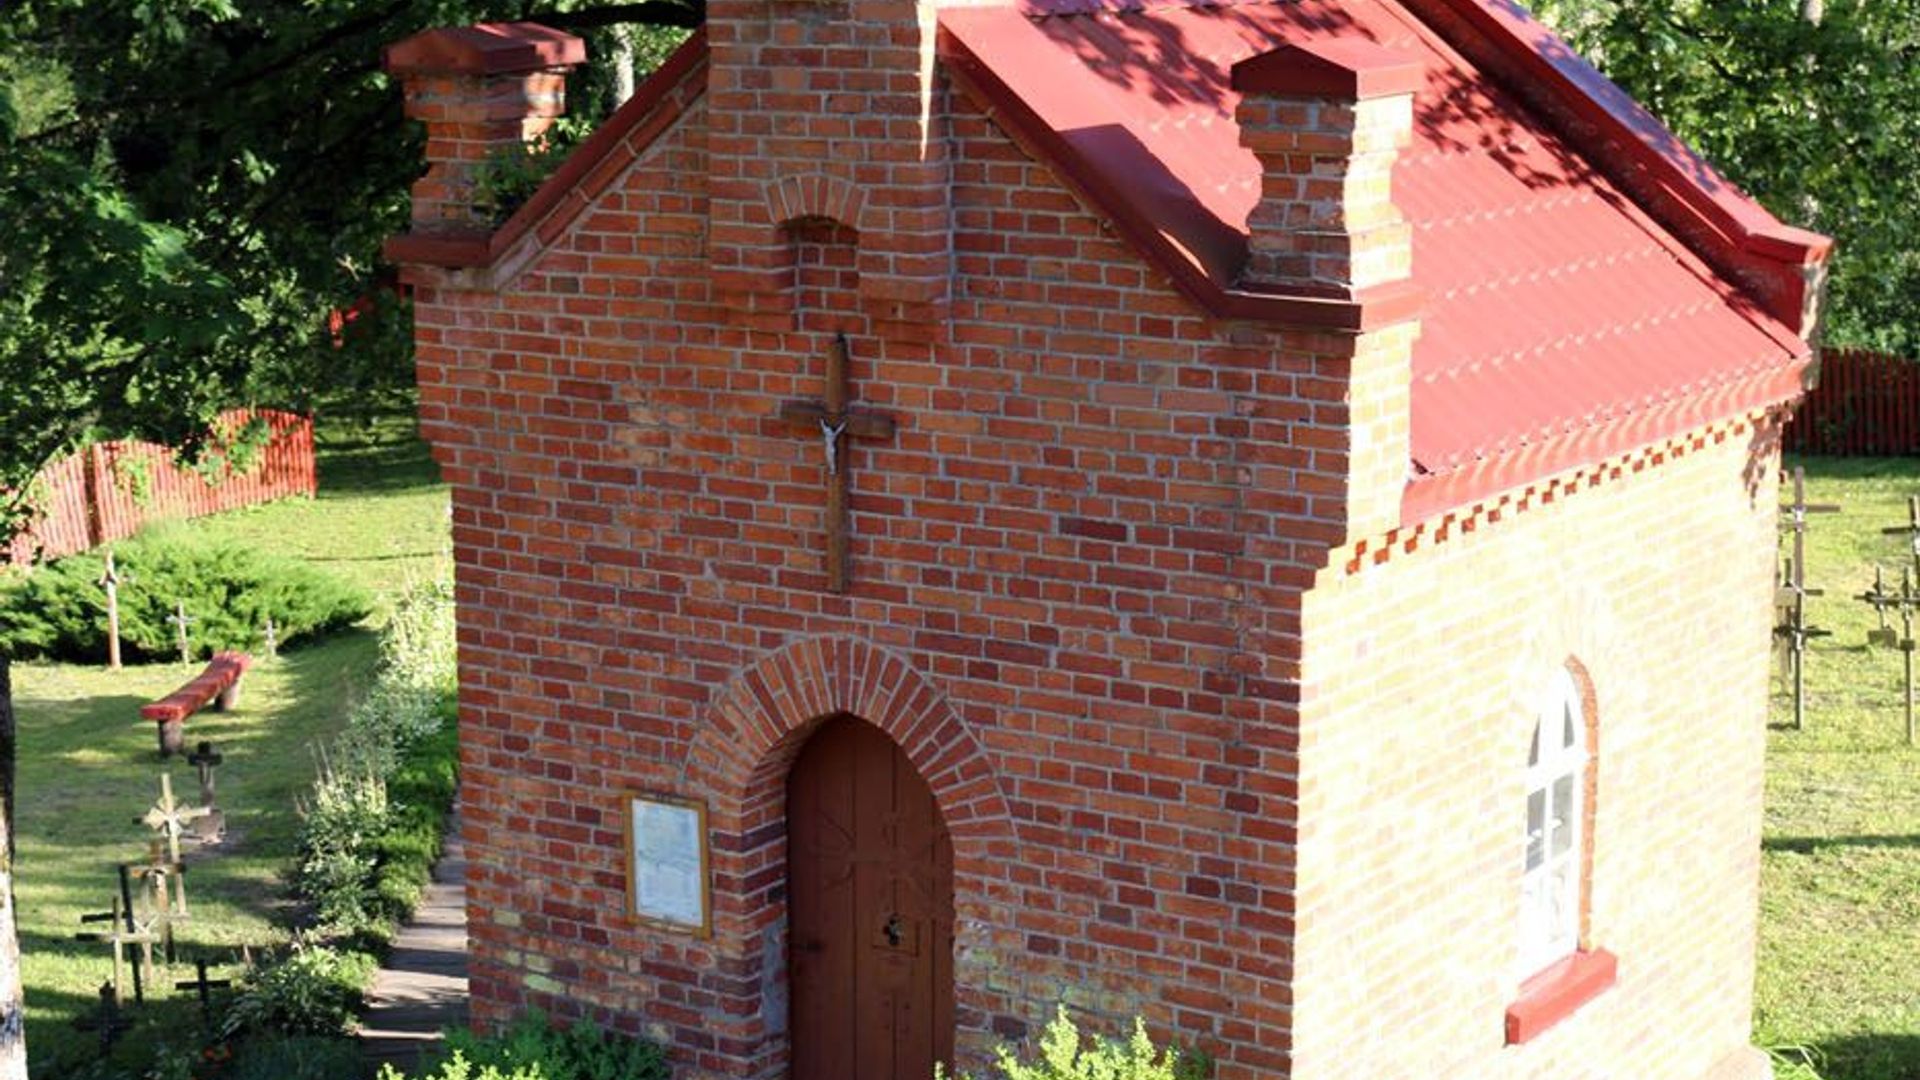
[479,89]
[1327,120]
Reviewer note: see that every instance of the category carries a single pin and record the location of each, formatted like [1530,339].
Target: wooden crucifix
[833,421]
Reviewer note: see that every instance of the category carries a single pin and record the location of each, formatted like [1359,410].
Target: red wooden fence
[110,490]
[1867,405]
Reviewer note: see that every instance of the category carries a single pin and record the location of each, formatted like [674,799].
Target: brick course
[1217,745]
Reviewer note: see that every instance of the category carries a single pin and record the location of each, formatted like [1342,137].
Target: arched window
[1551,887]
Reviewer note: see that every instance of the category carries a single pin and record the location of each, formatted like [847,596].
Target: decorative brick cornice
[1384,547]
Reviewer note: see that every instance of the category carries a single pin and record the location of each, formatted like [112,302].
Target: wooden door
[870,903]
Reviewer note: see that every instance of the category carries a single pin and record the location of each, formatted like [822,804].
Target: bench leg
[229,697]
[173,737]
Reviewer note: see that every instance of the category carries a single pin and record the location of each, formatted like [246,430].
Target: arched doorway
[870,909]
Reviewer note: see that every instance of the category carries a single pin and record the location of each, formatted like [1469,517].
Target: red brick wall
[1076,566]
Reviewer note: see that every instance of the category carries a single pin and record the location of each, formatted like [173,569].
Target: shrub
[229,591]
[458,1067]
[373,824]
[348,812]
[1065,1056]
[313,991]
[299,1057]
[534,1049]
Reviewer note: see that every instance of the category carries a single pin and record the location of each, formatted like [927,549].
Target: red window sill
[1554,994]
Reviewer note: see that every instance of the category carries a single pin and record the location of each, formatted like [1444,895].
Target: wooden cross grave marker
[213,825]
[123,932]
[181,620]
[163,895]
[1790,602]
[110,581]
[833,421]
[169,818]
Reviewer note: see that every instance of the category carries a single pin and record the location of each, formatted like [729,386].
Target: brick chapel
[1252,514]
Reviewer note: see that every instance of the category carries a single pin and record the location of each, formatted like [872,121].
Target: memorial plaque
[667,854]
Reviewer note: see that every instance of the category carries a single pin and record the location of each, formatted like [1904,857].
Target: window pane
[1533,755]
[1569,723]
[1536,829]
[1563,904]
[1563,814]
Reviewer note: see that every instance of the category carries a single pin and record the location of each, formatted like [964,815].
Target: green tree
[1811,106]
[187,189]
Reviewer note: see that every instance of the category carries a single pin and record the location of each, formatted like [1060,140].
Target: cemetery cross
[169,818]
[110,581]
[181,620]
[1792,598]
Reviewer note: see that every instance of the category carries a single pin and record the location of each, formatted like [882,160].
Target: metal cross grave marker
[107,1019]
[1908,601]
[211,827]
[203,988]
[833,421]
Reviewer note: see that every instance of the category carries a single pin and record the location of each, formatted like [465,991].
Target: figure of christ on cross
[831,420]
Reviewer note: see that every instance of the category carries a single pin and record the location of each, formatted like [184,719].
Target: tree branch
[688,14]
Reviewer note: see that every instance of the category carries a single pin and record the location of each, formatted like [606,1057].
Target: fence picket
[90,498]
[1866,405]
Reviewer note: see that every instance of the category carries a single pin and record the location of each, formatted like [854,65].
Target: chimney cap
[1348,68]
[485,49]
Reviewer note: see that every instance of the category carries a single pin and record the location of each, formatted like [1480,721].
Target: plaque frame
[629,802]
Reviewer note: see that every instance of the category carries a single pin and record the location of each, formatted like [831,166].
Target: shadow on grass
[385,459]
[1870,1057]
[1809,845]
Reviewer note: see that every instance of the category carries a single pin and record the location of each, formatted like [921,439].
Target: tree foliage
[1812,107]
[188,189]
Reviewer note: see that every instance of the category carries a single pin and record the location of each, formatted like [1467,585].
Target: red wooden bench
[219,684]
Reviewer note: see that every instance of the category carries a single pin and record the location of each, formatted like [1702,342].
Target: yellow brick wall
[1421,677]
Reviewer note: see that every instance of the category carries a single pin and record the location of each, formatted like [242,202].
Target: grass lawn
[88,766]
[1840,877]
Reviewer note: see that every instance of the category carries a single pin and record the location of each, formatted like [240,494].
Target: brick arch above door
[761,717]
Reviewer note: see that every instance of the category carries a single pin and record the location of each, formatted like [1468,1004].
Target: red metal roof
[1561,321]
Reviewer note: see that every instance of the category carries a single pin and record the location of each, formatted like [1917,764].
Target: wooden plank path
[422,990]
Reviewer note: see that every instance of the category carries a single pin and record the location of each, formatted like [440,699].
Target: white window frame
[1553,852]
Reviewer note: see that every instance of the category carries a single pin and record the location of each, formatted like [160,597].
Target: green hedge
[229,591]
